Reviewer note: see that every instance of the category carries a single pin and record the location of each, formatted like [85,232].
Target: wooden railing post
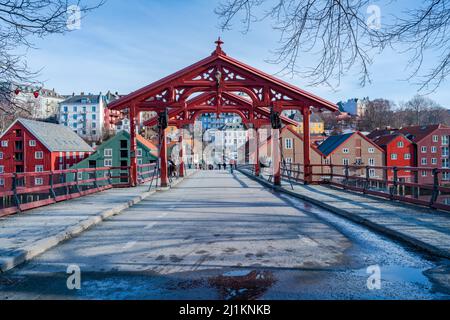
[435,194]
[394,190]
[367,182]
[14,187]
[346,175]
[52,190]
[110,182]
[77,185]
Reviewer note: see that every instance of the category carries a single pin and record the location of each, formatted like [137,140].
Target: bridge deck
[425,228]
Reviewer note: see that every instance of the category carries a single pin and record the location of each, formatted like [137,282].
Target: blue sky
[125,45]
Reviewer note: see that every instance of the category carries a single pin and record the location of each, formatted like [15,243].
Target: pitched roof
[148,144]
[333,142]
[55,137]
[417,133]
[385,140]
[83,99]
[381,132]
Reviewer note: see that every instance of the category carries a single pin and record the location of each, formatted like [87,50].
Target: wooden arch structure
[219,84]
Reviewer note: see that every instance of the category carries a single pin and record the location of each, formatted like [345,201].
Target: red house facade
[431,149]
[399,152]
[34,146]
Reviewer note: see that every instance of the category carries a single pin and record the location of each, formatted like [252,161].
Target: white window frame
[346,150]
[400,144]
[435,138]
[1,155]
[108,152]
[107,163]
[2,169]
[433,149]
[288,143]
[2,182]
[394,156]
[139,152]
[424,173]
[372,173]
[444,140]
[371,150]
[424,161]
[5,143]
[39,168]
[39,153]
[139,162]
[38,181]
[407,156]
[371,162]
[345,161]
[434,161]
[32,143]
[424,149]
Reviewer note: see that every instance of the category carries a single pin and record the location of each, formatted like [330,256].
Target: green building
[115,153]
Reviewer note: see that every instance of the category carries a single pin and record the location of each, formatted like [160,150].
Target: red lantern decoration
[17,91]
[36,94]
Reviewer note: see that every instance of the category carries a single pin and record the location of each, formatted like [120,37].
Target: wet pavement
[222,236]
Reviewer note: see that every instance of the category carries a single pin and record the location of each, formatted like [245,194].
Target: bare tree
[20,21]
[339,34]
[422,111]
[378,114]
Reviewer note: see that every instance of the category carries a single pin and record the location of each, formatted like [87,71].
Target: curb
[362,221]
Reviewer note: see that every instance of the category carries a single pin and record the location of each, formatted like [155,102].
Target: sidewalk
[423,228]
[26,235]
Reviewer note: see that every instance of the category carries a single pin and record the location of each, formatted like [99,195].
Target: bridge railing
[395,183]
[24,191]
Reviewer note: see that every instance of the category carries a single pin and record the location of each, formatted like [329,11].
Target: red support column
[133,147]
[276,157]
[306,146]
[163,159]
[257,167]
[180,141]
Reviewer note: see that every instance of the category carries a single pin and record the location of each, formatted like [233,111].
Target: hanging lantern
[36,94]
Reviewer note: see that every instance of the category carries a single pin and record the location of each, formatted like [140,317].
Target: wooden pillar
[306,146]
[276,157]
[257,167]
[180,143]
[133,147]
[163,159]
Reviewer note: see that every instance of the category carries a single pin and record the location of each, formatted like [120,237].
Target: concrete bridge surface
[215,235]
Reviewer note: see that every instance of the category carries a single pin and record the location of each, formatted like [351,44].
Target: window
[371,162]
[39,155]
[444,140]
[2,182]
[74,156]
[38,181]
[358,162]
[5,143]
[94,109]
[75,116]
[1,155]
[139,152]
[288,143]
[94,132]
[75,125]
[400,144]
[407,156]
[75,109]
[445,151]
[446,176]
[345,150]
[94,117]
[108,162]
[65,109]
[94,125]
[424,149]
[108,152]
[345,162]
[32,143]
[424,161]
[39,168]
[394,156]
[289,160]
[372,173]
[435,138]
[433,149]
[67,155]
[445,163]
[424,173]
[2,169]
[433,161]
[139,162]
[80,176]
